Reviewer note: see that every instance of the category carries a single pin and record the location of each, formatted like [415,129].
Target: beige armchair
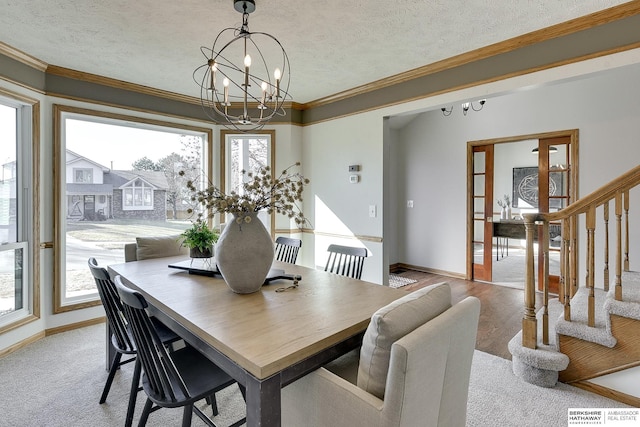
[413,369]
[154,247]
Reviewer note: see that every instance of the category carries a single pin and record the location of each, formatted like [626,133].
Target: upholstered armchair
[413,369]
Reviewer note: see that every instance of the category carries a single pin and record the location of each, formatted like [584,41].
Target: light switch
[373,211]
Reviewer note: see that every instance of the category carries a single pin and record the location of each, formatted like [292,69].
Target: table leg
[263,402]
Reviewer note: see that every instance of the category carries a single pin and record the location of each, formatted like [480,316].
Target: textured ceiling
[332,45]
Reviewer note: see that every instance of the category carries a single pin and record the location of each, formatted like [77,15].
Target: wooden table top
[266,331]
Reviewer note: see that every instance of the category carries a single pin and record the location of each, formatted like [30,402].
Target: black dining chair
[346,261]
[287,249]
[170,379]
[121,337]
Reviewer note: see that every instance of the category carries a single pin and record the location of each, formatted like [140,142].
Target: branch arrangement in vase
[260,191]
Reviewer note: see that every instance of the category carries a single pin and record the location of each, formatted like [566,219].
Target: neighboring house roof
[121,178]
[93,189]
[73,157]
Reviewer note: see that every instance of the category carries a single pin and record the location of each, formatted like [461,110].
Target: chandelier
[237,87]
[465,107]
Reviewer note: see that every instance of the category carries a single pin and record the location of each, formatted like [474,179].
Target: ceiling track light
[465,107]
[238,88]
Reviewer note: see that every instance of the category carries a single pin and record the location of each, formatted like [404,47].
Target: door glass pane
[479,161]
[478,185]
[478,208]
[478,253]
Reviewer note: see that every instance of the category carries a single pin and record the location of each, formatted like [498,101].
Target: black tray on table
[208,267]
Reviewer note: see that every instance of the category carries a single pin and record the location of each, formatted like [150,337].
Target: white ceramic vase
[244,253]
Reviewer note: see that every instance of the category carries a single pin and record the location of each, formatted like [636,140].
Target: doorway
[504,178]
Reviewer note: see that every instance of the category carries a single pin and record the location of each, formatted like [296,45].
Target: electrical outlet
[409,203]
[373,211]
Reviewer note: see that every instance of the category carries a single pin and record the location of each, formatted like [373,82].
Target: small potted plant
[199,238]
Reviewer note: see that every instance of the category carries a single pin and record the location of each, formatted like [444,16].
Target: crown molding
[562,29]
[22,57]
[119,84]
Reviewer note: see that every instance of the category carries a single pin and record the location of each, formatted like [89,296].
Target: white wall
[339,210]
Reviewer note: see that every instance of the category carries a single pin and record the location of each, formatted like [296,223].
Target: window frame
[61,113]
[28,155]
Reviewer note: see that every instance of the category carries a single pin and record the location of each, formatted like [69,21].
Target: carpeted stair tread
[578,327]
[630,304]
[544,357]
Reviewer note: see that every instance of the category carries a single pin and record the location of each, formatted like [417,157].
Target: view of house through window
[122,181]
[14,245]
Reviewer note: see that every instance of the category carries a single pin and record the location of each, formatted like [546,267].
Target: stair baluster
[591,229]
[565,268]
[618,290]
[606,247]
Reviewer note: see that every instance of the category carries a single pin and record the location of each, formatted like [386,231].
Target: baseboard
[25,342]
[607,392]
[47,332]
[72,326]
[402,266]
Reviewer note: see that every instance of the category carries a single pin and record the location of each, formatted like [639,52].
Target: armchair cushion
[389,324]
[158,247]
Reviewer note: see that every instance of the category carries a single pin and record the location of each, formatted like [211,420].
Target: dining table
[266,339]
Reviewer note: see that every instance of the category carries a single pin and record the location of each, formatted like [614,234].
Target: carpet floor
[57,381]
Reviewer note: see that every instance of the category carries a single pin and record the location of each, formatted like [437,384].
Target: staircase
[591,329]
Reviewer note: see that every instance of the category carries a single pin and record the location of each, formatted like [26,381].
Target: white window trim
[25,193]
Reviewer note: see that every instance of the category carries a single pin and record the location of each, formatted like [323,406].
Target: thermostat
[354,179]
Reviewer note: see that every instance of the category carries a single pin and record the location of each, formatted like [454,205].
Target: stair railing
[537,225]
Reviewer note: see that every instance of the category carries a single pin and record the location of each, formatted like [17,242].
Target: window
[19,300]
[137,195]
[119,179]
[83,176]
[247,153]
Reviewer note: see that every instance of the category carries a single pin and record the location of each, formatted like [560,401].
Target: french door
[482,212]
[545,182]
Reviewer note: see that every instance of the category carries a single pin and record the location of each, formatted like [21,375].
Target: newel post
[529,322]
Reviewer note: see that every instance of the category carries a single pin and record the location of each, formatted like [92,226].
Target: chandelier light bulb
[247,61]
[264,95]
[277,74]
[225,83]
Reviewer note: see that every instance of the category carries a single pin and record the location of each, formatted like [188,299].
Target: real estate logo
[618,417]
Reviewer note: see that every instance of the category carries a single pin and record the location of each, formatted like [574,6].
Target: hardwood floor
[500,313]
